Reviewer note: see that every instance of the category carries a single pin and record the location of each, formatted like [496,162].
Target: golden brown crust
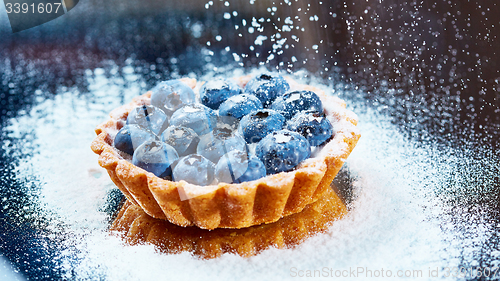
[137,227]
[229,205]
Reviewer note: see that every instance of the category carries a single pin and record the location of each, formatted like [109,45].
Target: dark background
[433,66]
[436,54]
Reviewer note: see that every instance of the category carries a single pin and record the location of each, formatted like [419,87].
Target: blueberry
[171,95]
[282,151]
[237,167]
[156,157]
[219,142]
[215,92]
[130,137]
[256,170]
[148,117]
[228,123]
[314,126]
[293,102]
[259,123]
[184,140]
[267,87]
[239,106]
[194,169]
[195,116]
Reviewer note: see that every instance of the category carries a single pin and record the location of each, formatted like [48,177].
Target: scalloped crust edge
[136,227]
[229,205]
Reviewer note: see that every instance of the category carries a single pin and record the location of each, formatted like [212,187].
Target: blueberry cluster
[230,135]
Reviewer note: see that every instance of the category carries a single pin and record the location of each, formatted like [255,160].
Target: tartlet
[136,227]
[265,200]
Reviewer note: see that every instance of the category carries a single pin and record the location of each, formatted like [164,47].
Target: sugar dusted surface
[192,109]
[192,160]
[293,97]
[312,118]
[393,222]
[178,133]
[282,138]
[239,98]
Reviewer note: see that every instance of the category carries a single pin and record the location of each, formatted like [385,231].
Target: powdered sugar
[239,98]
[293,97]
[178,133]
[192,109]
[215,84]
[395,221]
[282,138]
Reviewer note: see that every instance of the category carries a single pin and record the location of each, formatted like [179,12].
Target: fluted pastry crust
[229,205]
[136,227]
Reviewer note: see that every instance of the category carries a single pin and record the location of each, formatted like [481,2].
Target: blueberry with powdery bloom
[294,102]
[148,117]
[314,126]
[239,106]
[228,123]
[184,140]
[282,151]
[215,92]
[171,95]
[256,170]
[195,116]
[194,169]
[267,87]
[218,142]
[156,157]
[259,123]
[130,137]
[237,167]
